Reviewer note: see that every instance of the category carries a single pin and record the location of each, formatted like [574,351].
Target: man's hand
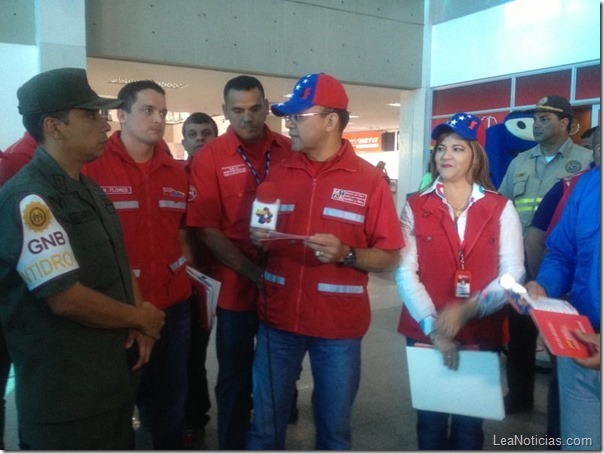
[152,320]
[258,235]
[448,348]
[144,345]
[454,317]
[593,344]
[535,290]
[328,248]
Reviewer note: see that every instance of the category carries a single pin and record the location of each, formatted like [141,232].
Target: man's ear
[121,115]
[333,122]
[224,111]
[52,128]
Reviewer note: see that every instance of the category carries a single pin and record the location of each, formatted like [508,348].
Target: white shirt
[492,297]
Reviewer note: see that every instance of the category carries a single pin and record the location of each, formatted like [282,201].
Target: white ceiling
[202,90]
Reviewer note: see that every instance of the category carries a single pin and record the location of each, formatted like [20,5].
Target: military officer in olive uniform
[75,326]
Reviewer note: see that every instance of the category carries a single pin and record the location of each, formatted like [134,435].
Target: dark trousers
[5,363]
[198,400]
[162,393]
[520,362]
[235,334]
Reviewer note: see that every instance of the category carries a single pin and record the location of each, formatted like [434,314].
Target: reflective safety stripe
[136,272]
[172,204]
[334,288]
[286,208]
[126,205]
[527,204]
[274,278]
[347,215]
[178,263]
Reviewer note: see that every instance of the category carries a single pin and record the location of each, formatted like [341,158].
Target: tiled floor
[383,418]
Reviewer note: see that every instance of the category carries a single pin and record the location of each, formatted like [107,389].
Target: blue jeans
[579,403]
[433,429]
[163,388]
[336,370]
[235,333]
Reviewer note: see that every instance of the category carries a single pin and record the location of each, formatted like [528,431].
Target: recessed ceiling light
[394,104]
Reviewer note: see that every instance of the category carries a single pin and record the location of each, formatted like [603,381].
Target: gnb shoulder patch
[45,252]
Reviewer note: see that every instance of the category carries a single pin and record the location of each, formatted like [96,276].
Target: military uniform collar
[50,168]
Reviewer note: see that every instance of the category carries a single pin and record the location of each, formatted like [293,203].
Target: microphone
[265,207]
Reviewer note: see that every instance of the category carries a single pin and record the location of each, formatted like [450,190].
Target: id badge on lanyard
[463,279]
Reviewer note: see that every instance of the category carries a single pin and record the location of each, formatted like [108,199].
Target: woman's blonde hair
[479,167]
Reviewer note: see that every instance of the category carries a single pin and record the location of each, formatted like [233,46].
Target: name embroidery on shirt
[234,170]
[117,189]
[346,196]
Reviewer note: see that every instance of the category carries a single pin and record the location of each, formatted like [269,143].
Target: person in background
[226,173]
[16,156]
[458,232]
[587,138]
[382,166]
[198,130]
[528,178]
[149,190]
[75,335]
[572,266]
[315,291]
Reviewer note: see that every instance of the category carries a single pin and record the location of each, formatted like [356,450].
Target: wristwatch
[350,259]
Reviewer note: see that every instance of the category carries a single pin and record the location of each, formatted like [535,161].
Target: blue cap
[463,124]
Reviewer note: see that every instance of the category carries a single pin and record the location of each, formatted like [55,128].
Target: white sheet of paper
[474,389]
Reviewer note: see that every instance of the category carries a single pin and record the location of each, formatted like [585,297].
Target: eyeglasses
[295,118]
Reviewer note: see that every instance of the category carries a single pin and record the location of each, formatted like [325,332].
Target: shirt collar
[437,187]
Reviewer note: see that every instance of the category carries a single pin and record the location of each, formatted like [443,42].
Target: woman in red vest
[460,236]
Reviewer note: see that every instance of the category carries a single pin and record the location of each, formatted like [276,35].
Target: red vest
[438,248]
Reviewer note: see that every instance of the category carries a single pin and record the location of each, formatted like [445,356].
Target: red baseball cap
[313,90]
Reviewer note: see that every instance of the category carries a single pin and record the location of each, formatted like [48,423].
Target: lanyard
[462,260]
[267,164]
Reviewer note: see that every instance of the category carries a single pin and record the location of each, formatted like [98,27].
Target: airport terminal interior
[407,66]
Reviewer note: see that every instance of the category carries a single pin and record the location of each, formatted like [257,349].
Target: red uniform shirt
[226,189]
[348,198]
[16,156]
[151,206]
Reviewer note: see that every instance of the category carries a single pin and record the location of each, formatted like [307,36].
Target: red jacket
[348,198]
[16,156]
[152,208]
[438,257]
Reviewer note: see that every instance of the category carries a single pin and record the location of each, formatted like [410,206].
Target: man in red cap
[315,289]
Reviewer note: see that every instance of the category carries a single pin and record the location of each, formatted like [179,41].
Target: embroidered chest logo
[171,192]
[117,189]
[346,196]
[229,171]
[573,166]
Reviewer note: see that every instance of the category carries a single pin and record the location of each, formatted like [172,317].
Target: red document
[557,330]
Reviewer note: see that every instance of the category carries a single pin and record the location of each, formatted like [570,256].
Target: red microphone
[266,207]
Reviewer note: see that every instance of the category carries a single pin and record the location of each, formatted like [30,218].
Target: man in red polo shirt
[149,190]
[226,173]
